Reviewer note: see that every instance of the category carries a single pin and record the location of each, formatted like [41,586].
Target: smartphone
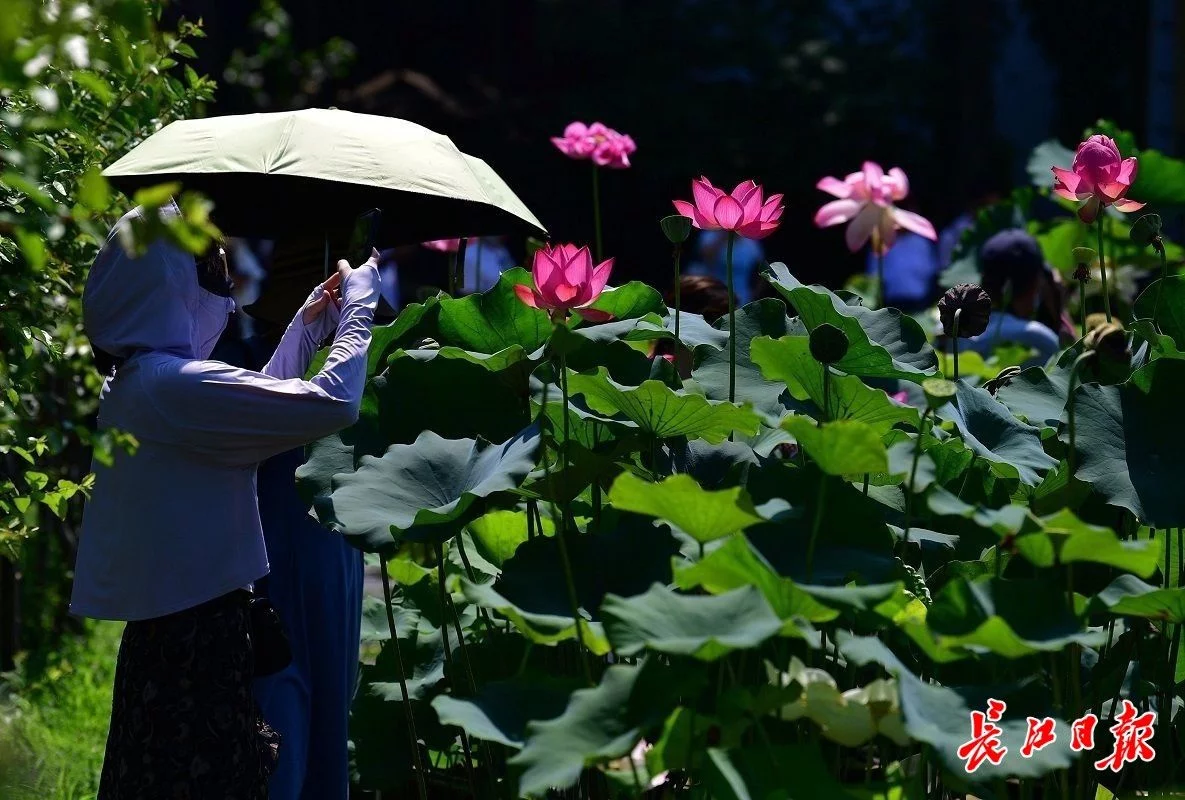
[365,235]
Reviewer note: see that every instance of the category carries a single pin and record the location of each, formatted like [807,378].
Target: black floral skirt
[183,723]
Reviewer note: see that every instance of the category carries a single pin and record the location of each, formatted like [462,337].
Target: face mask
[209,321]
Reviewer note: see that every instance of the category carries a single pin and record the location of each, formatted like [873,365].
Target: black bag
[269,641]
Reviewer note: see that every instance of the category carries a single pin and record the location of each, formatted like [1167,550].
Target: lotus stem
[732,337]
[562,535]
[678,279]
[954,341]
[1164,276]
[826,394]
[810,549]
[1103,268]
[452,274]
[596,486]
[596,191]
[880,273]
[913,474]
[1082,304]
[450,666]
[459,265]
[1078,362]
[473,579]
[411,722]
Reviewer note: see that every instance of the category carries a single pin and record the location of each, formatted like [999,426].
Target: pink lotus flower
[1099,177]
[605,146]
[866,200]
[744,211]
[900,397]
[566,280]
[444,245]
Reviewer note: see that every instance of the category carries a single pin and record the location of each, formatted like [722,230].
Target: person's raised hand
[370,282]
[330,293]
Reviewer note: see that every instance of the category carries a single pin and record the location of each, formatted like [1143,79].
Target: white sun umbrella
[271,174]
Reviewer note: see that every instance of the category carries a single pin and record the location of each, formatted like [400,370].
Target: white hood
[152,303]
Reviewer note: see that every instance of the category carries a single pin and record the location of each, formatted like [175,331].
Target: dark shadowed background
[955,93]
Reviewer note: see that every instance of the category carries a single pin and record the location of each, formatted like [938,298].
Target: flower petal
[575,130]
[528,295]
[594,314]
[1126,205]
[704,194]
[1127,171]
[915,222]
[900,183]
[1064,178]
[874,176]
[834,186]
[837,212]
[728,212]
[564,292]
[861,227]
[1089,210]
[600,277]
[686,209]
[744,190]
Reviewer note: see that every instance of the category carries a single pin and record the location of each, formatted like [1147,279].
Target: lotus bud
[676,228]
[828,344]
[1146,231]
[939,392]
[974,307]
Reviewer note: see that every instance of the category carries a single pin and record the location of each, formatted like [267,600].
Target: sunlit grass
[53,726]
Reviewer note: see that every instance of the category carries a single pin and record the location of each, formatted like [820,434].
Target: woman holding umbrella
[171,538]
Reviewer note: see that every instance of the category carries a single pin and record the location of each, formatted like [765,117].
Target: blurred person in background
[1022,287]
[911,272]
[486,258]
[711,260]
[703,295]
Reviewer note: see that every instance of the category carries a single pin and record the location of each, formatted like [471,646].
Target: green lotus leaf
[661,411]
[1012,447]
[704,515]
[501,711]
[493,320]
[601,723]
[1170,314]
[498,534]
[631,300]
[766,317]
[843,447]
[736,564]
[1011,618]
[625,557]
[881,344]
[1128,447]
[703,627]
[789,361]
[1037,396]
[1065,539]
[433,482]
[1129,596]
[940,716]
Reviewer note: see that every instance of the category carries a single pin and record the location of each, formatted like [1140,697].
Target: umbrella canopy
[317,169]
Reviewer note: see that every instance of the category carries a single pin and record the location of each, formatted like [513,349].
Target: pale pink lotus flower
[566,280]
[638,757]
[1099,177]
[744,211]
[900,397]
[605,146]
[866,200]
[444,245]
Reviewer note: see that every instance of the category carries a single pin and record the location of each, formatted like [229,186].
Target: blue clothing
[911,272]
[747,256]
[316,586]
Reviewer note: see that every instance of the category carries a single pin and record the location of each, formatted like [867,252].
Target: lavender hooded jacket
[177,523]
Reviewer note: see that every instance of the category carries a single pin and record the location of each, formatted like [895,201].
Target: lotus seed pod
[939,392]
[828,344]
[676,228]
[1146,230]
[974,305]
